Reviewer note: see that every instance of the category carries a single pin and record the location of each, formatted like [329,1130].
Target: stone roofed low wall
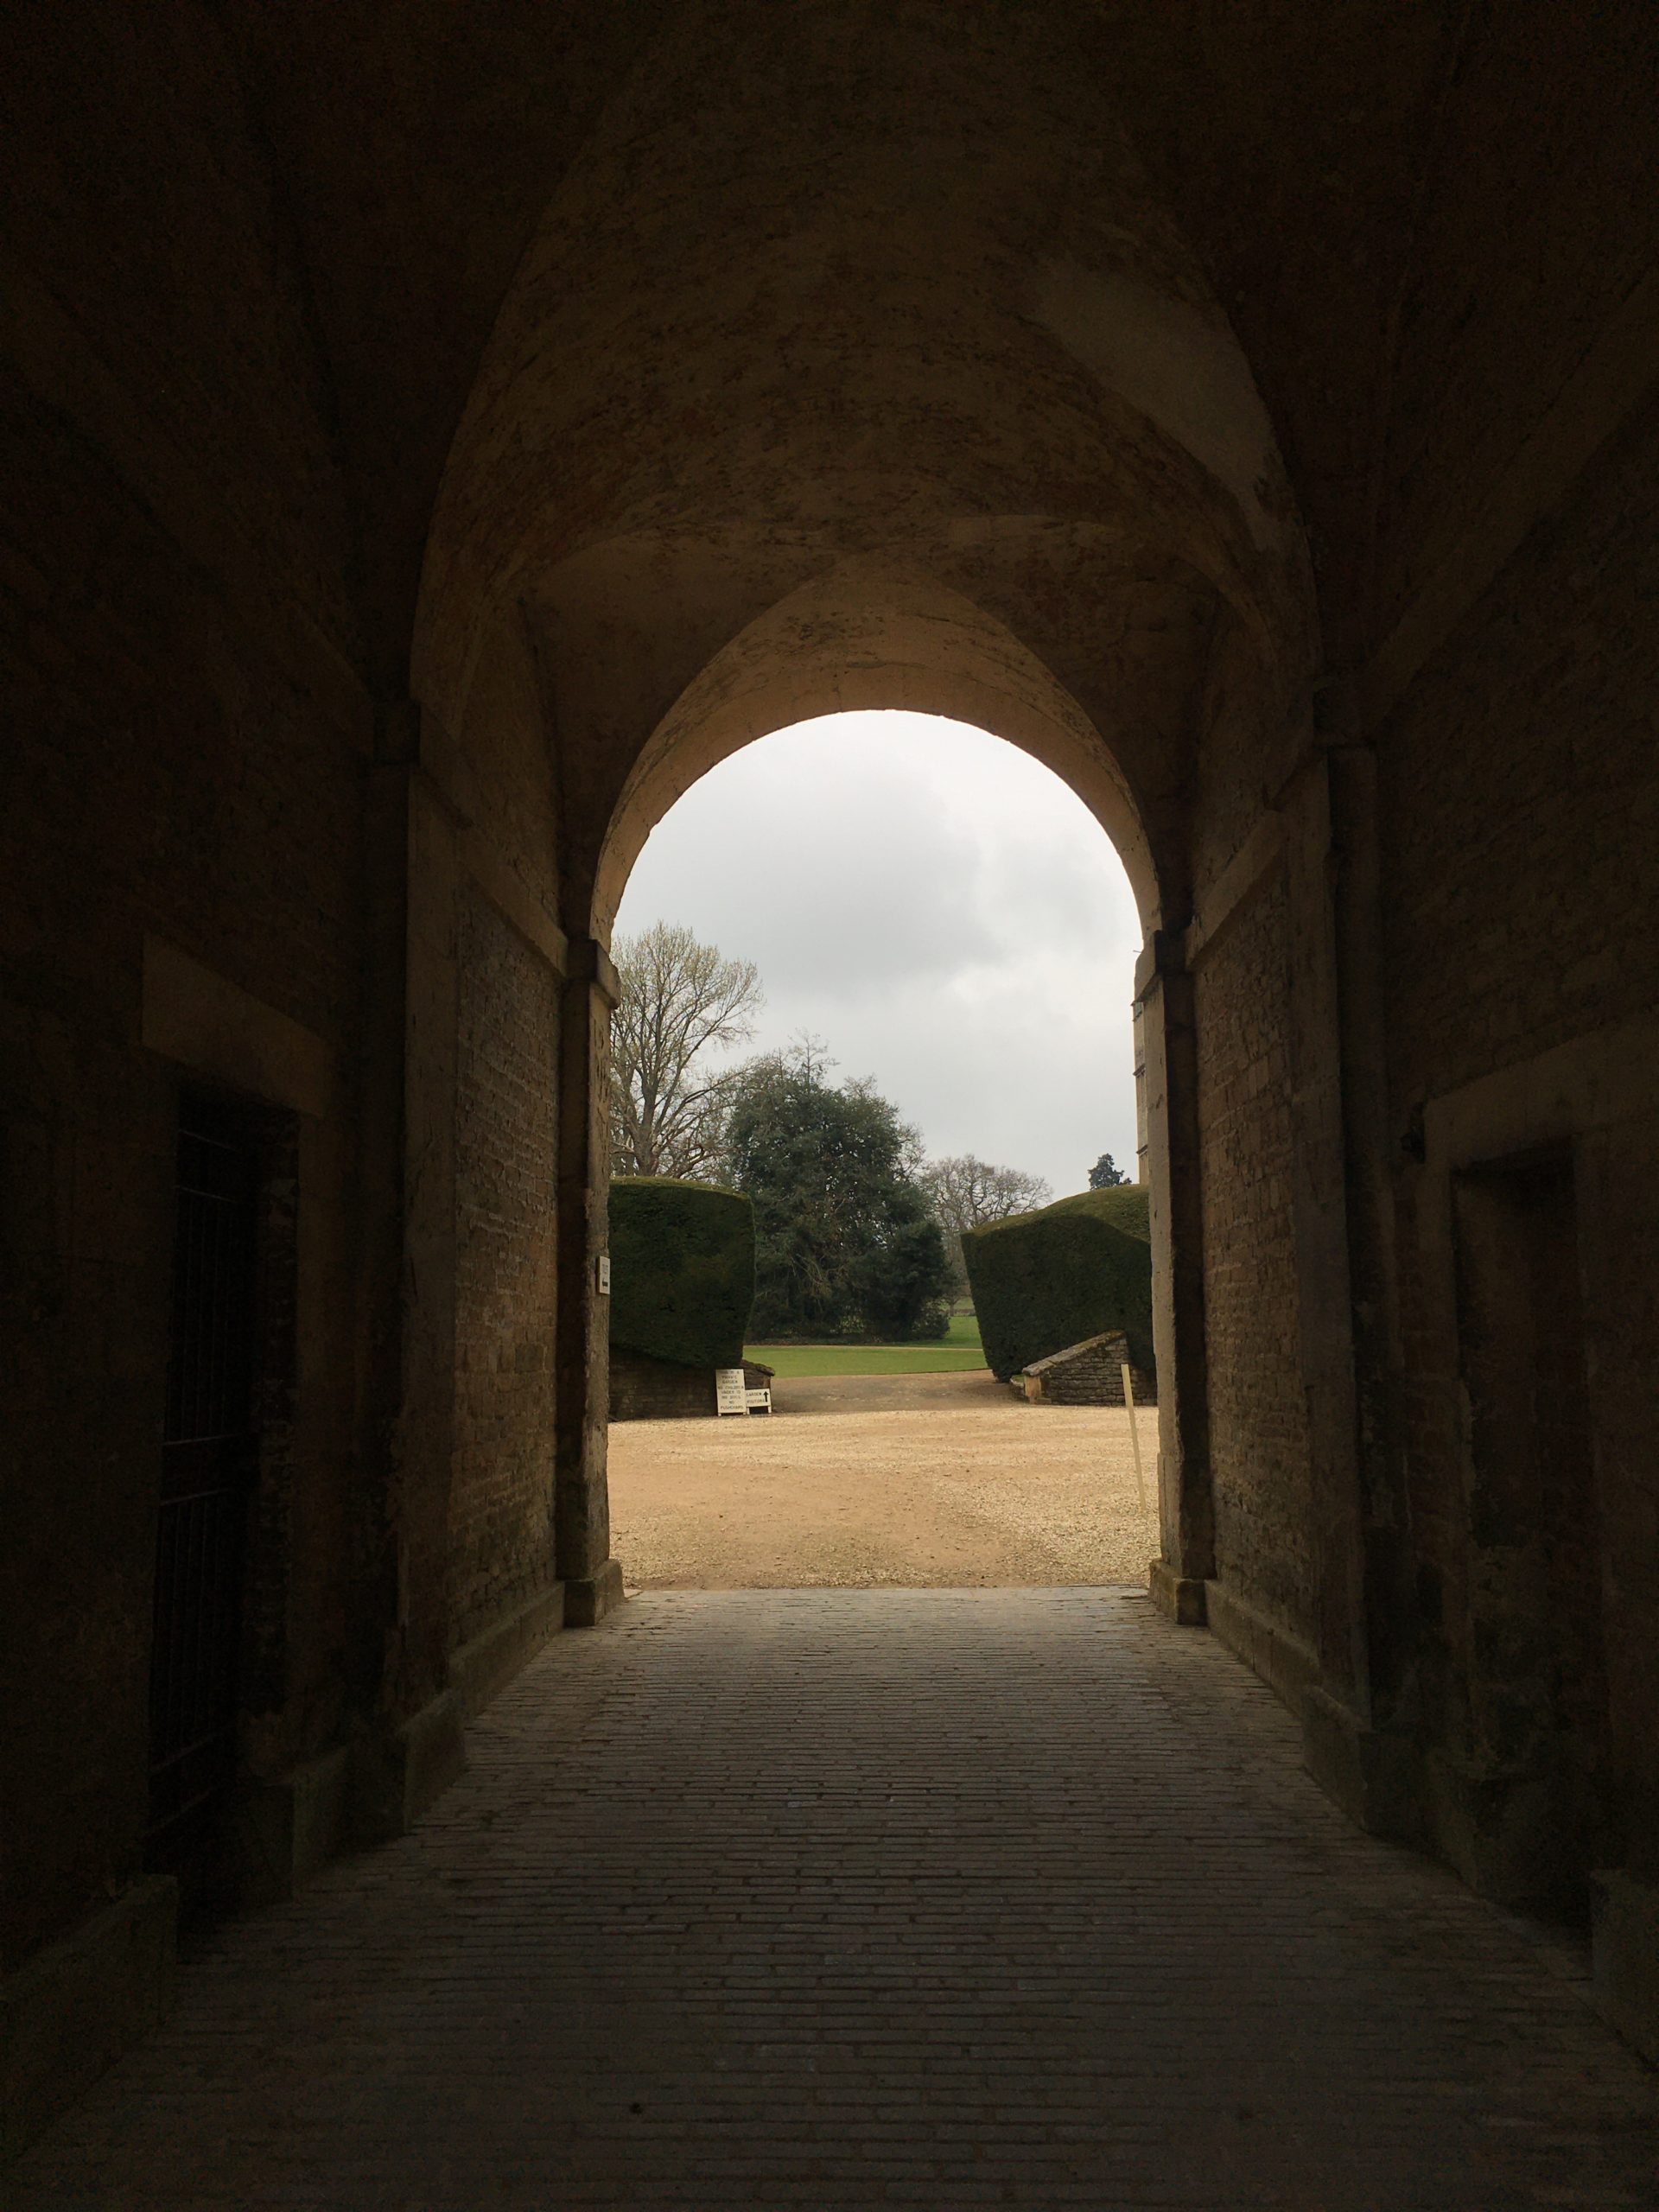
[1087,1374]
[643,1388]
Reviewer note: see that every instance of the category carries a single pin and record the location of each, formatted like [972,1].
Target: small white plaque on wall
[604,1265]
[731,1390]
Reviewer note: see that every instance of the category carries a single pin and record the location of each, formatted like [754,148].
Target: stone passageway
[840,1898]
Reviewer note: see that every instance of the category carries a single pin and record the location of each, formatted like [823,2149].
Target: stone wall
[1258,1429]
[1089,1374]
[501,1498]
[182,764]
[1521,874]
[643,1389]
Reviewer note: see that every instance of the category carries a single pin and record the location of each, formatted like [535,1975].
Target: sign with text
[731,1390]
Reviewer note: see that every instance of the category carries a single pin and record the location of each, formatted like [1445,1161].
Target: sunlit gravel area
[994,1493]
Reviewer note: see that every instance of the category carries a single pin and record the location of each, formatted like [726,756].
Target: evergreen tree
[845,1241]
[1106,1174]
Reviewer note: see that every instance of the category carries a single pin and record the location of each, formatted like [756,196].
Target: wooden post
[1135,1438]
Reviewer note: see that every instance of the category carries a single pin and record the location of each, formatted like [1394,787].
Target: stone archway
[945,416]
[872,635]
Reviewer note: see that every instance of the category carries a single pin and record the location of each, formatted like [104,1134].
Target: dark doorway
[209,1454]
[1537,1681]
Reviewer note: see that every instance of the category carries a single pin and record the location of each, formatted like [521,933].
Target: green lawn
[958,1349]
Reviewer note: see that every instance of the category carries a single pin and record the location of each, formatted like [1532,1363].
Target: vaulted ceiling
[640,322]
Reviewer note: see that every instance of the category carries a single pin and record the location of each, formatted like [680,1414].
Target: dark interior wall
[188,754]
[1488,614]
[160,293]
[1521,824]
[1518,825]
[179,763]
[1519,810]
[1616,1190]
[1534,219]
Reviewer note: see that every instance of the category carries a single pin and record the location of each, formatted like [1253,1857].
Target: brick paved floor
[842,1897]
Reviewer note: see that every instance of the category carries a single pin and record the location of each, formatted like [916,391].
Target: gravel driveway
[962,1486]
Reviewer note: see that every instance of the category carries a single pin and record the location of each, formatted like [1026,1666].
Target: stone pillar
[1164,1002]
[592,1579]
[1319,1209]
[1371,1156]
[1340,1200]
[410,1744]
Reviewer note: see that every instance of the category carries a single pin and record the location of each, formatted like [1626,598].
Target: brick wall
[1257,1422]
[501,1497]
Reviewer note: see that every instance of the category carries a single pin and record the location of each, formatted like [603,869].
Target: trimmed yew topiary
[682,1270]
[1046,1280]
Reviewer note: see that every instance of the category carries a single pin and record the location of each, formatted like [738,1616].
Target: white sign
[604,1274]
[731,1390]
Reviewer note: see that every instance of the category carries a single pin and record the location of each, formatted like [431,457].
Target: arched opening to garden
[1045,500]
[877,975]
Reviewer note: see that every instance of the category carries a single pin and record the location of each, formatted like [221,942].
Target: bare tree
[965,1193]
[680,1001]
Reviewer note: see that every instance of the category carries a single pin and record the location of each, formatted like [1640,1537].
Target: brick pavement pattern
[847,1897]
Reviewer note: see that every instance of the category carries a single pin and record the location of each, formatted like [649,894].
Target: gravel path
[982,1491]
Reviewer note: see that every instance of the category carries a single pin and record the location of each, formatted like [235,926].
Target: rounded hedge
[682,1270]
[1043,1280]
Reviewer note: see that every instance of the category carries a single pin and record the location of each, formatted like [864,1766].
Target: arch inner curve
[870,637]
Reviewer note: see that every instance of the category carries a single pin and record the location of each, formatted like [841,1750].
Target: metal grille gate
[207,1464]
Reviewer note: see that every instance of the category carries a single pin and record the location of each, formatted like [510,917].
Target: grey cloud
[940,909]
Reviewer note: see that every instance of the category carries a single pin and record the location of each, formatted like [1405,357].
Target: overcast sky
[935,906]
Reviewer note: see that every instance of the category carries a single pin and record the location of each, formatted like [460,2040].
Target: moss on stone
[682,1270]
[1045,1279]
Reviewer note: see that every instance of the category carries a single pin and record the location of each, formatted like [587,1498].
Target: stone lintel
[587,961]
[1163,954]
[1234,891]
[215,1028]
